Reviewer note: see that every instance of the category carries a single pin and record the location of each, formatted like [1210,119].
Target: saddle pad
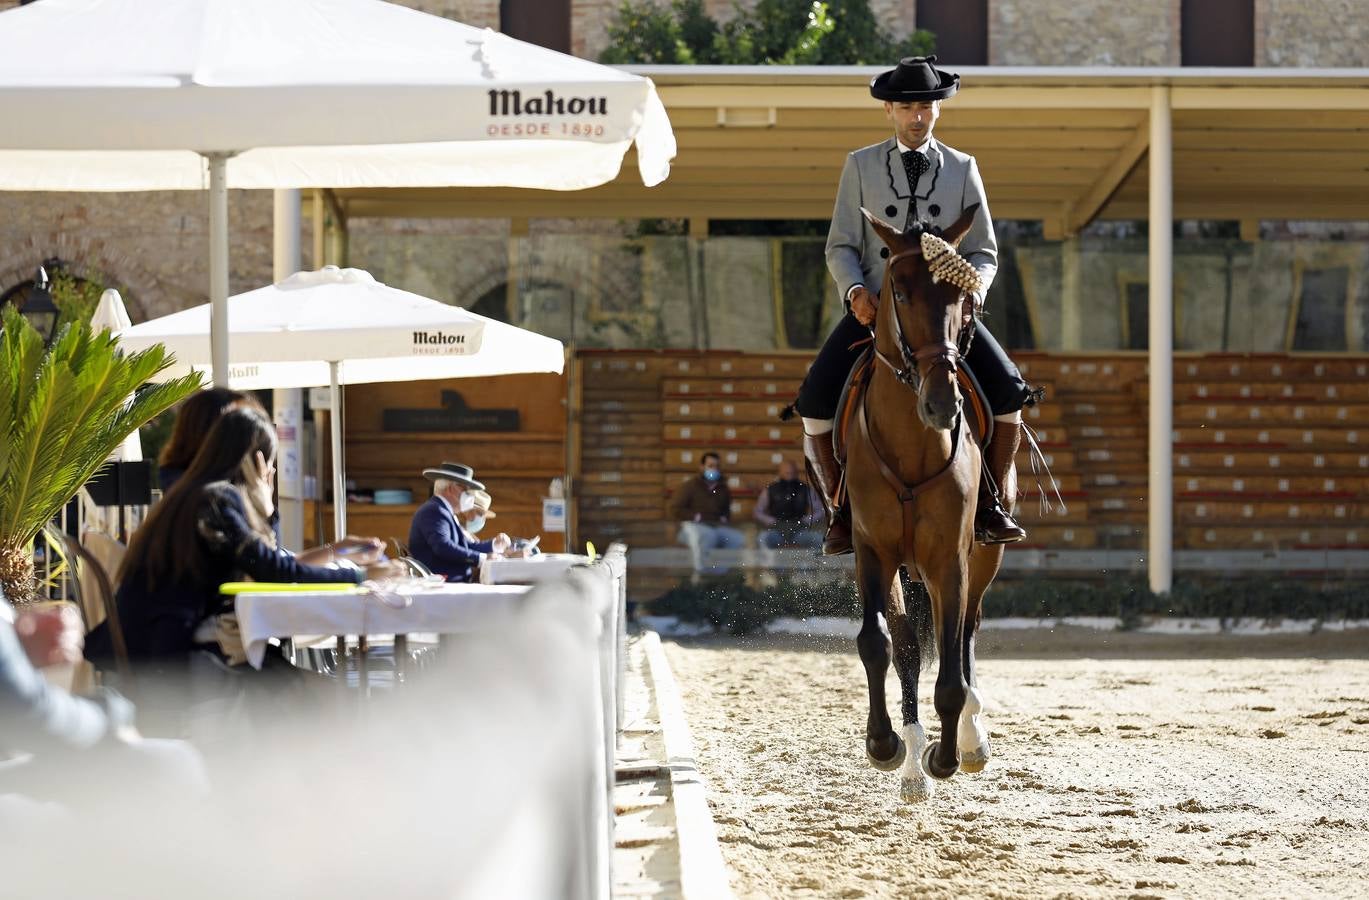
[978,415]
[847,400]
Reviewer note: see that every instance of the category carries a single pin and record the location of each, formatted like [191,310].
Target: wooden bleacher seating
[1270,451]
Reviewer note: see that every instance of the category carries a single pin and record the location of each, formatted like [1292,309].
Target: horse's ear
[887,233]
[961,227]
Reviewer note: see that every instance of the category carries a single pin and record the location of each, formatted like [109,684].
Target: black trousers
[998,376]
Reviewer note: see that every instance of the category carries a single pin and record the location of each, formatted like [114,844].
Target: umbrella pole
[218,265]
[339,481]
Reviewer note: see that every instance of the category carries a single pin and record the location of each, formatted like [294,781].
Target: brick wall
[153,247]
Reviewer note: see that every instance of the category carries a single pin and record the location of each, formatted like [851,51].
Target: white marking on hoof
[971,738]
[914,786]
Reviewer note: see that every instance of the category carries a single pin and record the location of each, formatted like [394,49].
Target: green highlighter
[263,587]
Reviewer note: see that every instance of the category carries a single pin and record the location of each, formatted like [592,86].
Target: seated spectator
[194,419]
[212,528]
[791,512]
[475,520]
[51,727]
[437,538]
[703,506]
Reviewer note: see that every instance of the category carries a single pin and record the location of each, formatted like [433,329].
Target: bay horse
[912,474]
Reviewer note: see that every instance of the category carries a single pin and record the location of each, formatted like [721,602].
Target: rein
[938,353]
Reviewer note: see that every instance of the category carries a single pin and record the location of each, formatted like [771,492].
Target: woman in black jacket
[212,527]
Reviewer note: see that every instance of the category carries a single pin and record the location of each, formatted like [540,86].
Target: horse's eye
[898,296]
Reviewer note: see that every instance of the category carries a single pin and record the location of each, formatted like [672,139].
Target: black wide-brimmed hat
[454,472]
[914,80]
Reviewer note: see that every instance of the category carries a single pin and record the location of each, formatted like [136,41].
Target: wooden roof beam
[1087,207]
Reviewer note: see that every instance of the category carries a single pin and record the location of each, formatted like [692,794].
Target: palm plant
[63,410]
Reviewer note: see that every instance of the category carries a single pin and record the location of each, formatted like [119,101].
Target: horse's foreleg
[905,615]
[972,739]
[882,746]
[947,586]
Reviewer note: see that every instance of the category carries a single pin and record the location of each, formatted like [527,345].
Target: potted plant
[63,411]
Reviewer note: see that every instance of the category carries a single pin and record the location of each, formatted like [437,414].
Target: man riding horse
[911,178]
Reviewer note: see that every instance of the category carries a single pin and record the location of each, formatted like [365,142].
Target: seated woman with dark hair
[212,527]
[194,418]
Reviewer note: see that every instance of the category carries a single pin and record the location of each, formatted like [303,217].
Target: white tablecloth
[448,609]
[530,570]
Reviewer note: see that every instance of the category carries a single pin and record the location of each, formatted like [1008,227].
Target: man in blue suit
[436,537]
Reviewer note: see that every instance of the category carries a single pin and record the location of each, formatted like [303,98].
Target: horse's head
[919,319]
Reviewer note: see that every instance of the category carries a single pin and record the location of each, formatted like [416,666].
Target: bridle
[938,353]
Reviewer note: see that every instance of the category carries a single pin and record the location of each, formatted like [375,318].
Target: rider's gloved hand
[863,305]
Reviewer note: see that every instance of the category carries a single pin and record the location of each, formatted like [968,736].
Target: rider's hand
[970,306]
[863,305]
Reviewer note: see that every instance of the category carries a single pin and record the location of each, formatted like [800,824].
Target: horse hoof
[917,789]
[975,760]
[894,762]
[929,766]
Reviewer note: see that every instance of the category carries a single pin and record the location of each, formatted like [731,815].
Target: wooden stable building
[1204,451]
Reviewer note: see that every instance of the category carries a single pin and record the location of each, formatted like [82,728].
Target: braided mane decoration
[948,265]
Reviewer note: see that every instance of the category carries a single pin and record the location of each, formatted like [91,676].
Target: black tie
[914,163]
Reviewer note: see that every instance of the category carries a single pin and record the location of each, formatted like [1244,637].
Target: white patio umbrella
[341,326]
[138,95]
[110,315]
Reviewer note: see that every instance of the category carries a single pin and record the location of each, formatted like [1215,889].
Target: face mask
[466,503]
[474,525]
[712,475]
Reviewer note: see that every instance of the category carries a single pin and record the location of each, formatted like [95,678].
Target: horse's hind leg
[972,739]
[907,617]
[873,576]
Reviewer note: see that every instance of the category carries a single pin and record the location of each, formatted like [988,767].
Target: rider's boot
[822,461]
[993,524]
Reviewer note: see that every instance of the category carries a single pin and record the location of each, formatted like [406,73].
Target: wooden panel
[682,388]
[538,399]
[1238,537]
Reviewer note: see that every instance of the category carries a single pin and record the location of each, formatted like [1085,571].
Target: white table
[529,570]
[447,609]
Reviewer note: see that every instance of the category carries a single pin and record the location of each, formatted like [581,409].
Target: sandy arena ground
[1124,765]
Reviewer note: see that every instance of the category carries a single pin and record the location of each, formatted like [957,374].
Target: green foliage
[775,32]
[63,410]
[75,298]
[729,605]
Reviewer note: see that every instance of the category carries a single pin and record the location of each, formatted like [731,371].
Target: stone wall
[1069,33]
[1312,33]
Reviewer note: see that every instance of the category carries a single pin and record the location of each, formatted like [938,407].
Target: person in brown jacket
[703,506]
